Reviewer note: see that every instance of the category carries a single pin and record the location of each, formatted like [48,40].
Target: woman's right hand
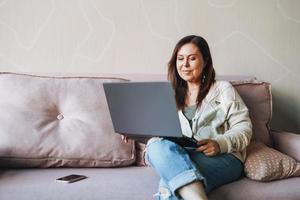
[125,138]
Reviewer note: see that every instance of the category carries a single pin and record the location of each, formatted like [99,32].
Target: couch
[50,127]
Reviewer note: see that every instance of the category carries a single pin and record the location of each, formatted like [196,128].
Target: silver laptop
[143,109]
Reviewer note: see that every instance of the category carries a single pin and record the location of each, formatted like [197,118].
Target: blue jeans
[178,166]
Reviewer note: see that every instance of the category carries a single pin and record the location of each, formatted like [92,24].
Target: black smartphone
[71,178]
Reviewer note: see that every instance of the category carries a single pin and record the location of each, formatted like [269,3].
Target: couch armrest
[287,143]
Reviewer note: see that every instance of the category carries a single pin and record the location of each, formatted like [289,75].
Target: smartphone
[71,178]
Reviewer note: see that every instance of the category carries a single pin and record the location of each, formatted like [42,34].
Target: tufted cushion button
[60,117]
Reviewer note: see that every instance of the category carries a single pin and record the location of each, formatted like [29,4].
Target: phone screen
[71,178]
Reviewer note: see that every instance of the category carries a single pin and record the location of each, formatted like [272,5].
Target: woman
[215,124]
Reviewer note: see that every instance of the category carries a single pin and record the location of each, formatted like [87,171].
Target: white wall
[248,37]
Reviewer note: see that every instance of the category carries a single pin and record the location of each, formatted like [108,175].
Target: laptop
[143,109]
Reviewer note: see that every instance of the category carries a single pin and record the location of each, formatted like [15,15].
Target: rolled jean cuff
[185,178]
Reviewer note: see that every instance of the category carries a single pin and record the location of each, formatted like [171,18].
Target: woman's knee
[159,150]
[156,146]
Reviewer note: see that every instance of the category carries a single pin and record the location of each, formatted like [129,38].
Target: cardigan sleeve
[239,131]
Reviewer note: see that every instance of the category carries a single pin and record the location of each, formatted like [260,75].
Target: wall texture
[257,37]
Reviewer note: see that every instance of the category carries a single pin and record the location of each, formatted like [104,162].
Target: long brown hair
[207,77]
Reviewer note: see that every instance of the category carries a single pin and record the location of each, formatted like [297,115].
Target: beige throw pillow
[58,122]
[257,97]
[265,164]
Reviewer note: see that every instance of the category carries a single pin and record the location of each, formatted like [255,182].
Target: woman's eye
[179,58]
[192,58]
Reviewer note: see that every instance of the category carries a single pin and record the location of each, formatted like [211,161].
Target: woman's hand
[208,147]
[142,140]
[125,138]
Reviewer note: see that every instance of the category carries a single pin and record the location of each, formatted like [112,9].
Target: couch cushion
[246,189]
[55,122]
[266,164]
[127,183]
[257,96]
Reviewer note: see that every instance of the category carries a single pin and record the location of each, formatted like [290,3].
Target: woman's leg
[172,163]
[164,192]
[193,191]
[218,170]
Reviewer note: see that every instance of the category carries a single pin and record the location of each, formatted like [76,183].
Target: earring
[203,78]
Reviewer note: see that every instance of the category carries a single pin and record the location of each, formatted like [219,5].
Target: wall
[257,37]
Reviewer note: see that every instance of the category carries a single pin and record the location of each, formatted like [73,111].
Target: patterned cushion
[265,164]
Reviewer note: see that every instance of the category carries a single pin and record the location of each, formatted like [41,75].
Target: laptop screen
[143,108]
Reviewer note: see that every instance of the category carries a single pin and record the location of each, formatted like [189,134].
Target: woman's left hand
[208,147]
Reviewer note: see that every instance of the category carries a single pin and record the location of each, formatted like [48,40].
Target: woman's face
[189,63]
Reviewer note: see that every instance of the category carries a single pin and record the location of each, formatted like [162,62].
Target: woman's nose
[186,63]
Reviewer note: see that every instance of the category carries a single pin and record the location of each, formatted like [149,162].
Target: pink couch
[29,169]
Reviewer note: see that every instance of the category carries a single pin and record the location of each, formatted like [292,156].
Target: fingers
[202,142]
[208,147]
[203,145]
[209,152]
[124,138]
[202,148]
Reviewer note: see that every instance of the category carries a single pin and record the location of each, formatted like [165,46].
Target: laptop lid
[143,108]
